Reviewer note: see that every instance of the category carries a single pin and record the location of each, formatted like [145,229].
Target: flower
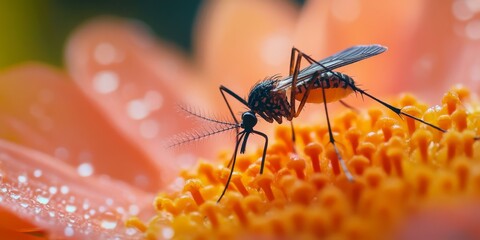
[82,148]
[406,174]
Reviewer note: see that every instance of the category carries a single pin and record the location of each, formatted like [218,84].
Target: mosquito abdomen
[337,86]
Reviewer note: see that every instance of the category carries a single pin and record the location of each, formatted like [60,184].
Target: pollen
[402,169]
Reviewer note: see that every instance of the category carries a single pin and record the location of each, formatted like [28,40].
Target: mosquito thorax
[249,120]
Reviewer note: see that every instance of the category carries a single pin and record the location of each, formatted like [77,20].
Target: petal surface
[47,193]
[42,109]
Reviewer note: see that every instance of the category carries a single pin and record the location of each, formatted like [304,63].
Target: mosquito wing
[340,59]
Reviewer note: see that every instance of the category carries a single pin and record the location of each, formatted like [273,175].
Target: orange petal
[241,42]
[40,108]
[43,191]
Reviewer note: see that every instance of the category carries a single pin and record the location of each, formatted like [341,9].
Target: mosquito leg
[264,149]
[224,90]
[348,106]
[398,111]
[234,158]
[332,140]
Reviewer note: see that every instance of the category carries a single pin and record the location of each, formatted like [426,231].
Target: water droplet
[86,216]
[86,205]
[70,208]
[92,212]
[131,231]
[4,190]
[42,199]
[105,53]
[37,173]
[64,189]
[38,210]
[24,204]
[52,190]
[109,201]
[105,82]
[108,224]
[102,209]
[85,169]
[133,209]
[22,179]
[51,214]
[137,109]
[68,231]
[14,196]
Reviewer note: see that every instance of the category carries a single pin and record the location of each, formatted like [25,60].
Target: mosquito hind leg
[332,141]
[349,106]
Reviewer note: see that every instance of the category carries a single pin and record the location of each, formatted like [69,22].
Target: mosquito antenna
[198,134]
[194,112]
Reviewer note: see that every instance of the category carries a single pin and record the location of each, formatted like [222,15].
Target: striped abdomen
[337,86]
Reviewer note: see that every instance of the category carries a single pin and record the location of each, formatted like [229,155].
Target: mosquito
[316,83]
[275,98]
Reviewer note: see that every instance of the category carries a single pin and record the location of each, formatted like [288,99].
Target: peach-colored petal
[424,38]
[241,42]
[443,221]
[41,108]
[352,22]
[137,83]
[47,193]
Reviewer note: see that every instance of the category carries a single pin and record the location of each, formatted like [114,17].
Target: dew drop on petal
[85,169]
[64,189]
[37,173]
[70,208]
[14,196]
[133,209]
[43,199]
[109,221]
[105,53]
[105,82]
[137,109]
[131,231]
[68,231]
[109,201]
[149,128]
[52,190]
[22,179]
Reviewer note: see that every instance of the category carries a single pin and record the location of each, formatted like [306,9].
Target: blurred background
[424,38]
[38,30]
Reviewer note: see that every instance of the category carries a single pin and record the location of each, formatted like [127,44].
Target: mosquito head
[249,120]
